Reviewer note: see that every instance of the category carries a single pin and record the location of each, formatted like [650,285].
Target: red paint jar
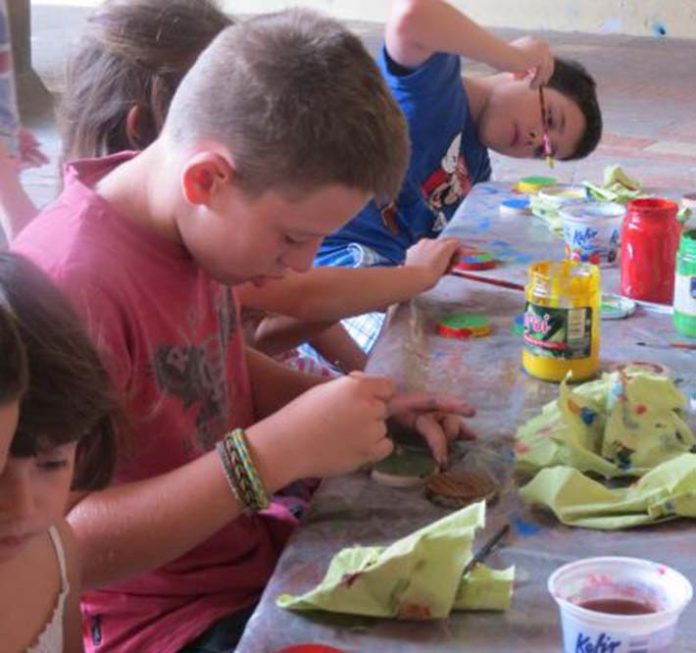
[649,244]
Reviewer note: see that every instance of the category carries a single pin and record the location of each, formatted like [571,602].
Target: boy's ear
[205,174]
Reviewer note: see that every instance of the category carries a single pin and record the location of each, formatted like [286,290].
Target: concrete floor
[647,92]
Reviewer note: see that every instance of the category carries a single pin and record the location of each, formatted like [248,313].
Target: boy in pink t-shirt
[282,130]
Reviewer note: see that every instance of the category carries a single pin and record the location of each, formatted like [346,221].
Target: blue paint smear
[659,29]
[525,528]
[587,415]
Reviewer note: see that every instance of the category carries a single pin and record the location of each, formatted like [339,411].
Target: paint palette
[473,258]
[464,325]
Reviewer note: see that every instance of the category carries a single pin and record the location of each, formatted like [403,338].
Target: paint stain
[525,528]
[659,29]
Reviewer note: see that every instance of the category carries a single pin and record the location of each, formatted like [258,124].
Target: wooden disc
[455,489]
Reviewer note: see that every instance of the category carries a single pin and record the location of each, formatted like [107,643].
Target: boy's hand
[434,256]
[535,58]
[336,426]
[436,417]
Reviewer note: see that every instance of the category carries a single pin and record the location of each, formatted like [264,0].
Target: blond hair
[300,104]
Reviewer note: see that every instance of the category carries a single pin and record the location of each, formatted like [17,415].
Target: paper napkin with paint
[666,492]
[617,186]
[417,577]
[620,425]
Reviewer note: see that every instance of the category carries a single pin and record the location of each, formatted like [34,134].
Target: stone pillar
[32,95]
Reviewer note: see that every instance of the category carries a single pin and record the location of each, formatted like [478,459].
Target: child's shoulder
[28,594]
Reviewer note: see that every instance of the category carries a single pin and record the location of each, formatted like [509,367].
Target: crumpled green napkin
[416,577]
[617,186]
[620,425]
[666,492]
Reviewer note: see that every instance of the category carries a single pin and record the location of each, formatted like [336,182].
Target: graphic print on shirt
[447,185]
[196,374]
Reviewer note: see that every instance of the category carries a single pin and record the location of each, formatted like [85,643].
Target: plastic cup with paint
[591,231]
[562,195]
[619,605]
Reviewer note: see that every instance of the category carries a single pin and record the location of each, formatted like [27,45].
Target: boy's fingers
[381,449]
[379,387]
[452,426]
[425,401]
[428,426]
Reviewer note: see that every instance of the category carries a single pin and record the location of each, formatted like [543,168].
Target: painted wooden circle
[473,258]
[515,206]
[532,185]
[464,325]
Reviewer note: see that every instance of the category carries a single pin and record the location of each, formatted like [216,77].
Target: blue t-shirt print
[447,159]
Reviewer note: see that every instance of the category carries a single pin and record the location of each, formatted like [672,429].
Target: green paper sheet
[417,577]
[619,425]
[668,491]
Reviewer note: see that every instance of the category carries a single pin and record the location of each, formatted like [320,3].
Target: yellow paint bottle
[561,320]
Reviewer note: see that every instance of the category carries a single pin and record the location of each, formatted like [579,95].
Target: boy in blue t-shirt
[453,121]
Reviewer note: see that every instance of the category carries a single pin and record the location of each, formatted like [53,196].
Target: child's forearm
[331,294]
[416,29]
[133,528]
[16,209]
[336,345]
[275,385]
[279,333]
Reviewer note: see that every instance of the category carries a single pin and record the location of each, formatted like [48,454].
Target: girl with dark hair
[57,433]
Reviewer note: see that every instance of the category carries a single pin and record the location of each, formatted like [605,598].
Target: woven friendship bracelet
[244,487]
[229,474]
[238,437]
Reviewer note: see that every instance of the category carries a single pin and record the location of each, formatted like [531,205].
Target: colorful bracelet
[226,464]
[241,446]
[240,470]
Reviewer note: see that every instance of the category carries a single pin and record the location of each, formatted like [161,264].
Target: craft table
[487,373]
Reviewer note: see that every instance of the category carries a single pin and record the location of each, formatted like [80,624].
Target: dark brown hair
[572,80]
[300,104]
[68,397]
[13,358]
[133,53]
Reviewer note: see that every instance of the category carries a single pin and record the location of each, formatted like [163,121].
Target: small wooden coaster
[464,325]
[473,258]
[459,488]
[531,185]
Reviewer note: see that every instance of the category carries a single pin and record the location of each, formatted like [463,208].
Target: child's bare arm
[276,334]
[332,429]
[136,527]
[416,29]
[16,209]
[336,346]
[331,294]
[279,333]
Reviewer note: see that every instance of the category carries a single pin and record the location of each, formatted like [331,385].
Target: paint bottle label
[559,333]
[685,295]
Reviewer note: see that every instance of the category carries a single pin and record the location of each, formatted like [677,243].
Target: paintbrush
[483,552]
[547,141]
[489,280]
[677,344]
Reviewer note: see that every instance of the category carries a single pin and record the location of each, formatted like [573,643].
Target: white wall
[675,18]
